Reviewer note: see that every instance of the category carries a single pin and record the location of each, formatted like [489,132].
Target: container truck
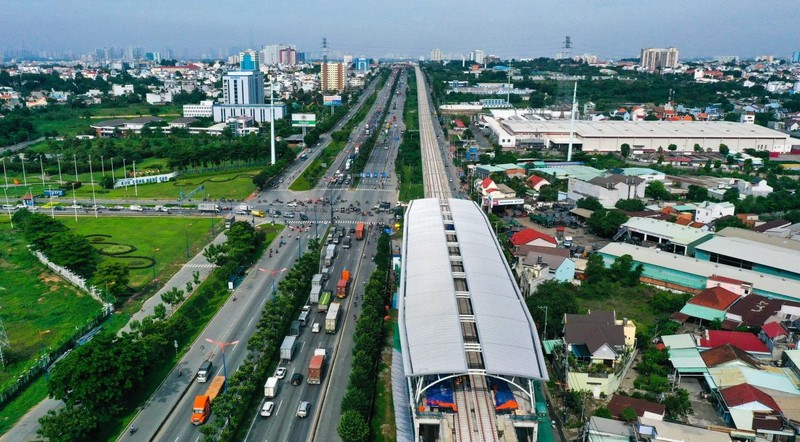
[341,288]
[316,280]
[208,208]
[271,388]
[313,297]
[315,366]
[202,403]
[324,301]
[326,273]
[294,328]
[346,275]
[332,317]
[287,348]
[360,231]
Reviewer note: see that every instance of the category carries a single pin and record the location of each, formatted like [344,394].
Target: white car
[315,327]
[292,204]
[266,409]
[280,373]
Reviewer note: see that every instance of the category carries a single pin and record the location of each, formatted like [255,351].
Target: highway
[325,398]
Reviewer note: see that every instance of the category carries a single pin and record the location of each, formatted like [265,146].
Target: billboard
[332,100]
[304,120]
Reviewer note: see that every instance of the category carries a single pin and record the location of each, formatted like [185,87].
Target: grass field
[141,239]
[312,174]
[39,310]
[67,122]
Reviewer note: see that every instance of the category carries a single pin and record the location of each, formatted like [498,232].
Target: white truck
[314,295]
[332,317]
[271,388]
[316,280]
[287,348]
[330,254]
[208,208]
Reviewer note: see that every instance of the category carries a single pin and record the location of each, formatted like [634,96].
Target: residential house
[710,211]
[657,431]
[536,264]
[608,190]
[532,237]
[753,410]
[536,182]
[600,429]
[757,187]
[774,334]
[710,305]
[743,340]
[642,408]
[729,355]
[601,344]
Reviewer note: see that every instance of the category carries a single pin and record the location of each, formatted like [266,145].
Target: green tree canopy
[630,205]
[589,203]
[606,223]
[657,191]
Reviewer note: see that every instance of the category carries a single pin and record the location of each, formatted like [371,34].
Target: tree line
[101,381]
[357,403]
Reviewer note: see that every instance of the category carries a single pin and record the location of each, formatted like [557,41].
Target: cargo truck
[214,208]
[229,221]
[316,280]
[287,348]
[332,317]
[324,301]
[360,231]
[202,404]
[294,328]
[315,366]
[346,242]
[341,288]
[313,297]
[271,388]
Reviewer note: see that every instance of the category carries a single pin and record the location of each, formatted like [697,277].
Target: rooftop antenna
[572,120]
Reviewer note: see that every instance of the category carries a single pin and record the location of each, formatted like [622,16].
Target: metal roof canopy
[429,320]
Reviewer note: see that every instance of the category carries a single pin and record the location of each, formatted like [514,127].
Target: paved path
[25,429]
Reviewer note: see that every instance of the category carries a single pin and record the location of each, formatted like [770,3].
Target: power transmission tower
[4,342]
[563,95]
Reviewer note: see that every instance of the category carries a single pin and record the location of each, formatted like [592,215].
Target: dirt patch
[49,278]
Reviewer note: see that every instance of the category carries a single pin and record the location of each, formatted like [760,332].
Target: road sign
[304,120]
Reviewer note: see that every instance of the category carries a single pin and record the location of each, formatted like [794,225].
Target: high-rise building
[153,56]
[436,55]
[271,54]
[362,64]
[287,56]
[300,57]
[334,77]
[653,59]
[249,60]
[796,57]
[477,56]
[243,87]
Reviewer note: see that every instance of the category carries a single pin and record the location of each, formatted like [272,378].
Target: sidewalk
[25,429]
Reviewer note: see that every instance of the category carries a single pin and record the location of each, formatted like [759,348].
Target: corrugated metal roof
[768,255]
[429,322]
[678,234]
[702,312]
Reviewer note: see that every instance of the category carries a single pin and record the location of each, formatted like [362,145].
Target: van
[302,318]
[204,372]
[315,327]
[302,409]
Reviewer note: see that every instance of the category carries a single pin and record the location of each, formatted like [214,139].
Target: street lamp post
[94,198]
[273,273]
[545,309]
[222,346]
[74,202]
[5,191]
[44,358]
[186,233]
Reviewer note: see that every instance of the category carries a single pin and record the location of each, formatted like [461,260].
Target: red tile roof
[619,403]
[744,394]
[715,297]
[534,180]
[774,330]
[746,341]
[459,124]
[528,235]
[727,353]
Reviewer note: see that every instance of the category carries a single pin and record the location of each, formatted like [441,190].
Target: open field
[137,241]
[69,122]
[39,310]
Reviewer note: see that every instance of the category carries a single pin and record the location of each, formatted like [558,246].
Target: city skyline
[519,30]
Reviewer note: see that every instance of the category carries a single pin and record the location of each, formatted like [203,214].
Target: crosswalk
[200,266]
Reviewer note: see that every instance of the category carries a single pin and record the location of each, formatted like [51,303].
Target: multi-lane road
[166,416]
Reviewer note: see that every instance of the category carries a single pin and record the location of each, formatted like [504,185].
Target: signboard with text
[304,120]
[332,100]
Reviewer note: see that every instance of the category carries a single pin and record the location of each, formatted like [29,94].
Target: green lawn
[39,310]
[141,239]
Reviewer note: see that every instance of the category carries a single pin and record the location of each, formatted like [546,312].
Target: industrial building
[471,355]
[645,136]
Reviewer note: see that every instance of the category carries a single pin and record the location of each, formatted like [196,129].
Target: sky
[506,28]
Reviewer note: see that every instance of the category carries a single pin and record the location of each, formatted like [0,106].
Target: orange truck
[202,404]
[360,231]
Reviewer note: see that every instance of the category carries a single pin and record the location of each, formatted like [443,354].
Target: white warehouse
[608,136]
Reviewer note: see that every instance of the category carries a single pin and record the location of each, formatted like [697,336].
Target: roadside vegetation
[408,165]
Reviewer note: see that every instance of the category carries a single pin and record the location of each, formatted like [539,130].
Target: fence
[78,338]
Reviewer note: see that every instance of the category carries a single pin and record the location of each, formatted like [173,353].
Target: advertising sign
[332,100]
[304,120]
